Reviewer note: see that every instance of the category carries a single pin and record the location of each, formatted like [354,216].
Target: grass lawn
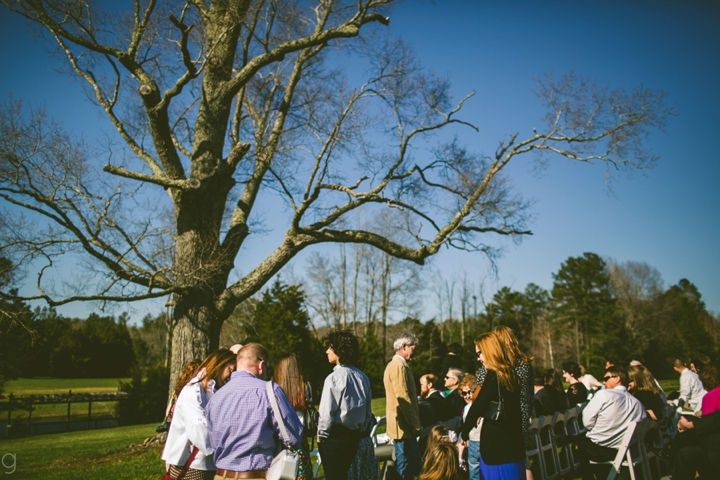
[46,386]
[87,454]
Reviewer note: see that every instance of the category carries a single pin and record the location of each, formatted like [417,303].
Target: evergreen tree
[373,365]
[282,324]
[584,303]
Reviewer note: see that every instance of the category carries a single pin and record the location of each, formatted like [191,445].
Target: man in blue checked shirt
[241,422]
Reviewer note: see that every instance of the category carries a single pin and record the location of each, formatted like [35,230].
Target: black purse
[310,421]
[496,410]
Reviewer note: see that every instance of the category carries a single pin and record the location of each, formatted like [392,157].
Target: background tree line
[596,309]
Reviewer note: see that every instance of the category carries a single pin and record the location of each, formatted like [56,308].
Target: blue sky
[666,217]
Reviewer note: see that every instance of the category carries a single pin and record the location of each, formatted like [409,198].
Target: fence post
[68,416]
[10,405]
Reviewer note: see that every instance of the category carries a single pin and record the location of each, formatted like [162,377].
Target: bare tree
[636,285]
[222,103]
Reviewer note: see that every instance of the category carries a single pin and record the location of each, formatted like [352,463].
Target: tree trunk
[196,335]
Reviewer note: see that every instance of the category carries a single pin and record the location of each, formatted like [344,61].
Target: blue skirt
[504,471]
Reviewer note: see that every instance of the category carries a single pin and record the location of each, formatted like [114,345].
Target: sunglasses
[454,378]
[466,393]
[478,354]
[605,379]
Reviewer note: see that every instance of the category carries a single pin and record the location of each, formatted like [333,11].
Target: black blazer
[707,428]
[501,441]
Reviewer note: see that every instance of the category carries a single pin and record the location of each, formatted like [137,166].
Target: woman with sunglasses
[467,388]
[188,430]
[502,447]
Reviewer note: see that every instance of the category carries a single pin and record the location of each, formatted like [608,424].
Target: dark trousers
[597,453]
[338,452]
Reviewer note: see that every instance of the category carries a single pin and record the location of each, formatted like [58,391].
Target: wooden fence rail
[29,402]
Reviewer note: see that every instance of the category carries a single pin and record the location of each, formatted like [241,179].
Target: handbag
[310,421]
[496,410]
[285,464]
[166,475]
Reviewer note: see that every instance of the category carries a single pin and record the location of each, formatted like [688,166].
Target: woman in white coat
[188,429]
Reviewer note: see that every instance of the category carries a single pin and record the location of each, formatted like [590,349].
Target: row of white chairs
[554,460]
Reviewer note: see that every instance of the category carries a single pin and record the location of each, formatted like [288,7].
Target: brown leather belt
[232,474]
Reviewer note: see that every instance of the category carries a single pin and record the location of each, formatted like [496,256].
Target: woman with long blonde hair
[502,447]
[524,371]
[441,463]
[643,386]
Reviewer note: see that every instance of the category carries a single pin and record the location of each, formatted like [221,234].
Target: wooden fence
[29,403]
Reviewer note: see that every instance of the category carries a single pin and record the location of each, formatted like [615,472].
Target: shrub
[147,396]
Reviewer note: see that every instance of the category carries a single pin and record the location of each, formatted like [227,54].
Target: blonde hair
[441,463]
[497,359]
[507,337]
[644,380]
[252,353]
[436,436]
[468,380]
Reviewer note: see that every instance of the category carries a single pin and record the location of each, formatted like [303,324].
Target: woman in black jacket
[502,448]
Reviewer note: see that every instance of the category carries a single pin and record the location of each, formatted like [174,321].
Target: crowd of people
[227,420]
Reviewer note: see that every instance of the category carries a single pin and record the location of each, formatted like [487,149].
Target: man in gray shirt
[345,405]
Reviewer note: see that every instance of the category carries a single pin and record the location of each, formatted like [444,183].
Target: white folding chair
[629,453]
[315,453]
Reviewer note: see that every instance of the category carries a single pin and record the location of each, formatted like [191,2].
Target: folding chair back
[548,449]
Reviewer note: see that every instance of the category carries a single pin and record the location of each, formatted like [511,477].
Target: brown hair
[215,363]
[187,374]
[441,463]
[620,372]
[506,336]
[496,359]
[709,376]
[643,379]
[289,376]
[436,436]
[432,379]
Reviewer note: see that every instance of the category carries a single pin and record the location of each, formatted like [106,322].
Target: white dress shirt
[608,413]
[691,389]
[345,400]
[188,428]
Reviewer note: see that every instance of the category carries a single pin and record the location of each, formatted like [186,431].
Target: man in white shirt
[345,405]
[691,388]
[606,417]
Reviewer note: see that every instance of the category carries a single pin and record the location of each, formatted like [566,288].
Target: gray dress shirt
[346,400]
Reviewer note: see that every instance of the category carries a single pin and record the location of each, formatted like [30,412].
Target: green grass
[47,386]
[87,454]
[670,385]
